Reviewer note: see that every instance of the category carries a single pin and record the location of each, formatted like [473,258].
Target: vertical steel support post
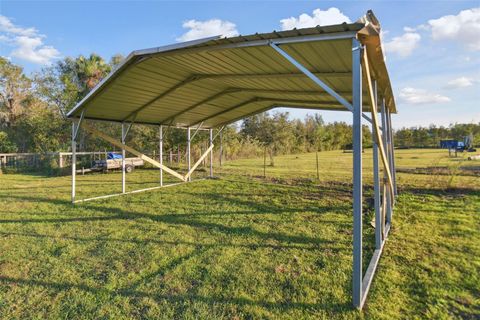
[123,158]
[385,143]
[357,173]
[379,223]
[160,152]
[188,152]
[211,153]
[392,152]
[74,160]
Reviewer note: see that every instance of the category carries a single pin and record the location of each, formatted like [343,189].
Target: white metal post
[392,152]
[74,160]
[188,152]
[123,158]
[379,223]
[357,173]
[211,153]
[161,153]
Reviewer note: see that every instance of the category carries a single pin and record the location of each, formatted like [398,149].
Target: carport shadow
[172,219]
[210,300]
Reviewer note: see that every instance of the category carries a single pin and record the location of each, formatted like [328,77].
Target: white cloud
[32,49]
[462,82]
[319,17]
[7,26]
[27,43]
[419,96]
[464,27]
[409,29]
[203,29]
[403,45]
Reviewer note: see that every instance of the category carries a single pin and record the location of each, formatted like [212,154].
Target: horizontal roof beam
[275,75]
[319,106]
[306,92]
[279,101]
[245,116]
[258,99]
[244,103]
[246,90]
[204,101]
[266,42]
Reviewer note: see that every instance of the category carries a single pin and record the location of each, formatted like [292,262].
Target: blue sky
[432,47]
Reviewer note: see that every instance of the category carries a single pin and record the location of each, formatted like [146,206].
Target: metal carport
[208,83]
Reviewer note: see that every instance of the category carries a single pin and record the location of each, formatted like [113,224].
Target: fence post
[264,162]
[221,148]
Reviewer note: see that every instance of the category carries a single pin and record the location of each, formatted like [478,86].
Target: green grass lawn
[239,247]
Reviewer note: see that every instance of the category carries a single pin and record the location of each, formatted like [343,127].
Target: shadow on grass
[251,246]
[187,298]
[178,219]
[458,191]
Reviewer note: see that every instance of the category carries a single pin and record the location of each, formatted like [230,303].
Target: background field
[240,246]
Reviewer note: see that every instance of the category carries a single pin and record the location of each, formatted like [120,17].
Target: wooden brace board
[373,109]
[198,162]
[133,151]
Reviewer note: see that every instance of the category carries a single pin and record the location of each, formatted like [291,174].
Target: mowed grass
[239,247]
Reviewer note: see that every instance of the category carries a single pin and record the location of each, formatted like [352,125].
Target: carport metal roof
[216,81]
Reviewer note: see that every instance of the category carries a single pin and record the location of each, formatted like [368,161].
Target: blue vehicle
[456,146]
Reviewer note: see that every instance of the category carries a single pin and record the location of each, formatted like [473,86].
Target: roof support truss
[315,79]
[127,129]
[196,131]
[76,128]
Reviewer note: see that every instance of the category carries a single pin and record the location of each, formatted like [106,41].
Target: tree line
[33,119]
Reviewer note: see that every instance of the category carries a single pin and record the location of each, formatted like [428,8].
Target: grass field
[239,247]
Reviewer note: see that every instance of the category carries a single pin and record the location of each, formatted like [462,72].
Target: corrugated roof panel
[185,82]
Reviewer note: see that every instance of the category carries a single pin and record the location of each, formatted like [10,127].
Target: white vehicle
[114,162]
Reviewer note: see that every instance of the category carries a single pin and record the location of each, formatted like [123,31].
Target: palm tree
[90,71]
